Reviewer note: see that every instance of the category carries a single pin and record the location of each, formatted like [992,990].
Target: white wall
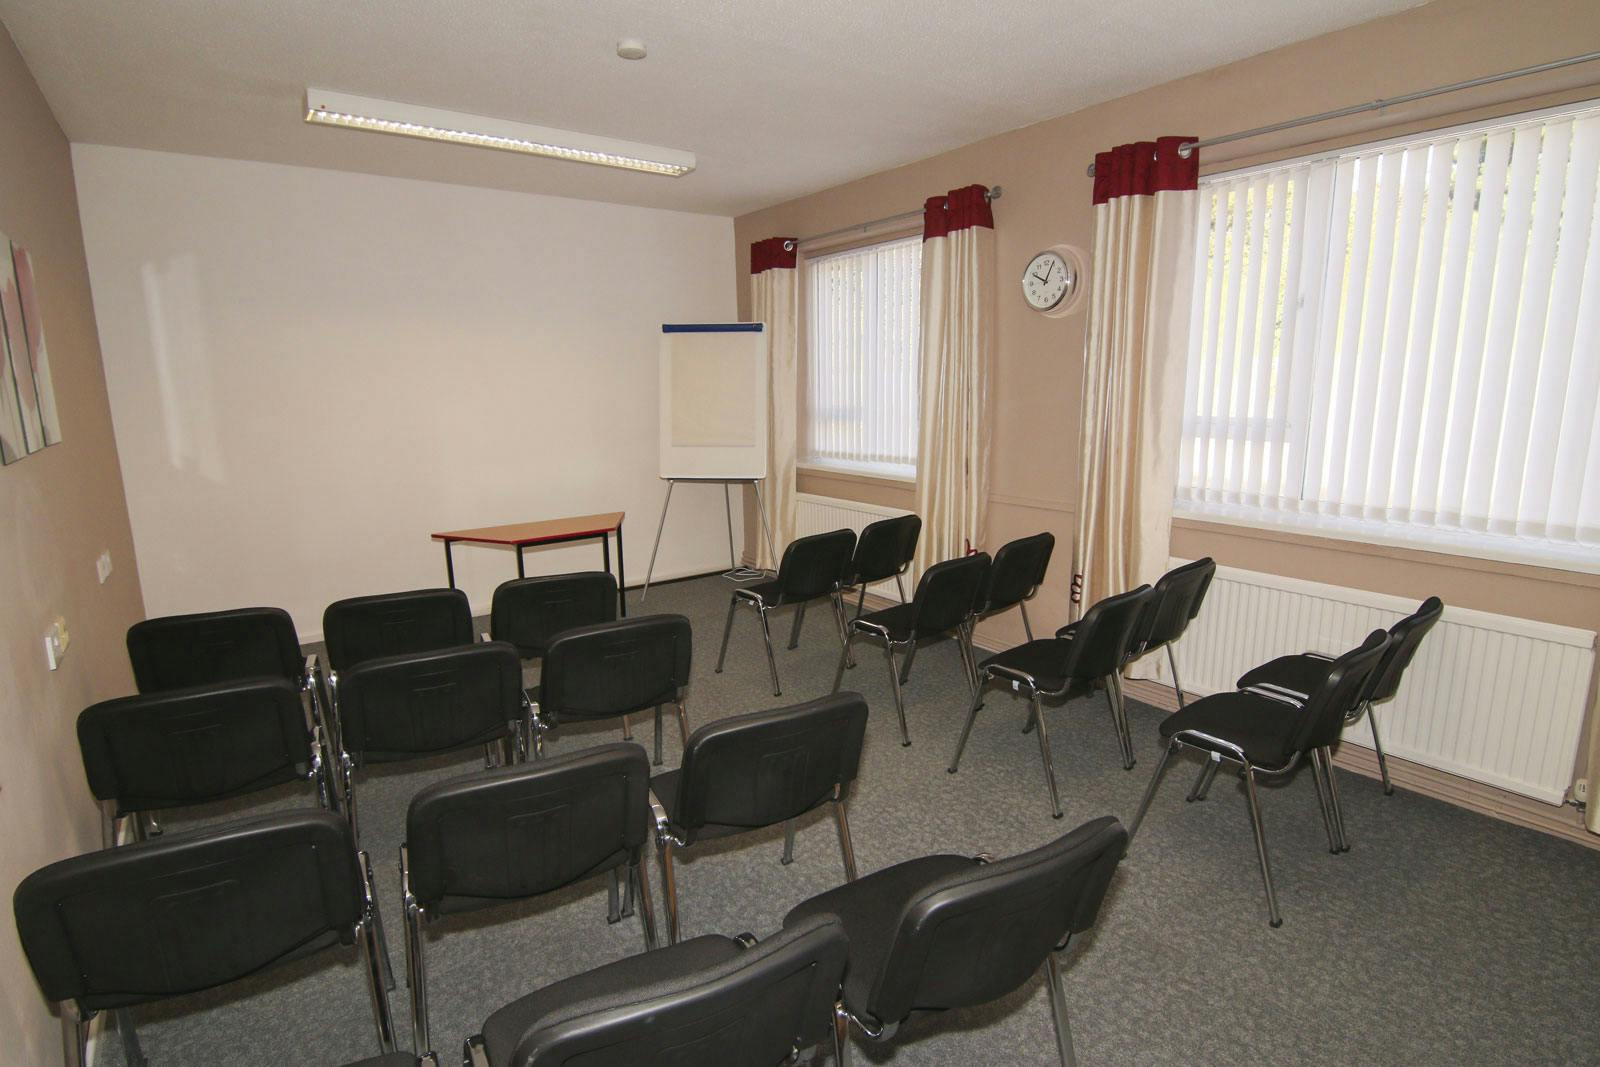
[311,371]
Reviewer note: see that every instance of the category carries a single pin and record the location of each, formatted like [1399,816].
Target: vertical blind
[1404,340]
[863,328]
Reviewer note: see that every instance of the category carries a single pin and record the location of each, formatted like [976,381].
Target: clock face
[1047,281]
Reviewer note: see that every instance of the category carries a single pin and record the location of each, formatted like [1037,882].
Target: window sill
[1372,539]
[890,477]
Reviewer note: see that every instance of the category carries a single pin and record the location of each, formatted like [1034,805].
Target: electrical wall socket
[1580,791]
[102,566]
[56,640]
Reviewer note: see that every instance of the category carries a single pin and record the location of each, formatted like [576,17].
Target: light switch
[56,640]
[102,566]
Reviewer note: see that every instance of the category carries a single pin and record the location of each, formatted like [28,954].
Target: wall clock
[1048,280]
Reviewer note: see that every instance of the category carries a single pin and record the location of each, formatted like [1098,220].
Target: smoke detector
[631,48]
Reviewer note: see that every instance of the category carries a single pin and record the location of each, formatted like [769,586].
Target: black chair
[1266,732]
[751,771]
[810,570]
[114,929]
[614,669]
[884,550]
[1174,602]
[182,747]
[713,1001]
[521,832]
[1296,675]
[942,605]
[404,707]
[1015,577]
[1089,652]
[945,932]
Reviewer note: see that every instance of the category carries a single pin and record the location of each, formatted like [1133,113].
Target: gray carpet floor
[1443,937]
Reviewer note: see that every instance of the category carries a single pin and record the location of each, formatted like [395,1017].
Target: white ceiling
[778,98]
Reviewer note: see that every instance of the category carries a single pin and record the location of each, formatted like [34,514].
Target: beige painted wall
[1047,200]
[58,509]
[312,371]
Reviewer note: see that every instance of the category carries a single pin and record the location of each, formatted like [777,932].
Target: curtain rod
[991,194]
[1187,147]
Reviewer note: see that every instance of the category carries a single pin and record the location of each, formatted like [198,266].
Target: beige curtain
[1134,363]
[775,301]
[958,315]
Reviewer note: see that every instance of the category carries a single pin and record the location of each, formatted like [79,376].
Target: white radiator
[820,514]
[1493,698]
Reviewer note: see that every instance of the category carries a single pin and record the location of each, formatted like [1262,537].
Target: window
[1401,342]
[863,328]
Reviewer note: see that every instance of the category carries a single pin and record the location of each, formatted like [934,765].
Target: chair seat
[634,976]
[1298,674]
[1040,659]
[896,619]
[770,591]
[870,909]
[1260,725]
[665,786]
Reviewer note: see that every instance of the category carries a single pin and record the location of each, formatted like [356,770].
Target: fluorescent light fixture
[430,123]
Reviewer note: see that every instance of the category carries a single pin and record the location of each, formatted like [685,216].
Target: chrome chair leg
[788,842]
[844,661]
[132,1052]
[74,1035]
[727,630]
[1377,747]
[900,584]
[766,635]
[658,736]
[376,954]
[1177,686]
[899,701]
[841,1036]
[966,732]
[1322,801]
[627,729]
[417,978]
[1044,751]
[1150,791]
[1333,801]
[1202,784]
[647,906]
[1058,1010]
[861,600]
[1027,627]
[794,627]
[839,617]
[969,658]
[843,822]
[1275,920]
[683,725]
[1124,742]
[669,890]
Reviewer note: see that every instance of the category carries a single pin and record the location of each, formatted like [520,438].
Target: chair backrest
[755,1007]
[973,936]
[394,624]
[813,566]
[1404,637]
[885,548]
[190,746]
[613,668]
[1174,602]
[179,651]
[528,612]
[1018,571]
[768,766]
[397,707]
[1103,638]
[948,593]
[1338,693]
[528,829]
[187,912]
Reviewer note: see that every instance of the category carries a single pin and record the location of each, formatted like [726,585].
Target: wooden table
[520,535]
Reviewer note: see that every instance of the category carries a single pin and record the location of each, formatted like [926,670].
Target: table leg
[622,577]
[521,571]
[449,566]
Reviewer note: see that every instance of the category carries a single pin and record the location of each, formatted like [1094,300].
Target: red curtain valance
[764,255]
[1145,168]
[957,210]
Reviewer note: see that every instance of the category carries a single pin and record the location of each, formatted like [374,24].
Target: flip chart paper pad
[714,401]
